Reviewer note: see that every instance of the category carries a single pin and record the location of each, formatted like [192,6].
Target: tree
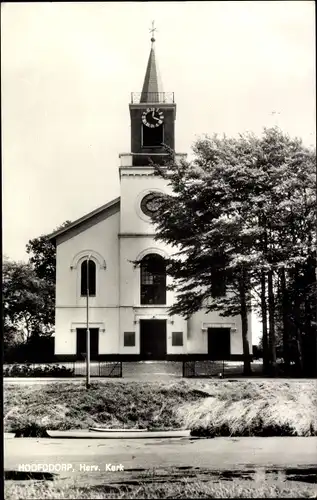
[28,300]
[203,219]
[287,178]
[43,255]
[43,260]
[25,298]
[242,209]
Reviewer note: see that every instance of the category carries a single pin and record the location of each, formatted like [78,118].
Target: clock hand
[154,117]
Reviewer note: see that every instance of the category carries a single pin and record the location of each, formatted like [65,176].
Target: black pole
[87,330]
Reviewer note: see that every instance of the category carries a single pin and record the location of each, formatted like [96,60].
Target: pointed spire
[152,86]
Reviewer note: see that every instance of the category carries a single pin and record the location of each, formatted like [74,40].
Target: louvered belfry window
[153,280]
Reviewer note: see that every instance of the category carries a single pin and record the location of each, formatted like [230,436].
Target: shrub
[28,370]
[36,350]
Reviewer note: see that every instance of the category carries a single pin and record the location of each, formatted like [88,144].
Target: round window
[149,204]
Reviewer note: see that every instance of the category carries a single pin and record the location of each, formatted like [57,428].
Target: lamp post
[87,329]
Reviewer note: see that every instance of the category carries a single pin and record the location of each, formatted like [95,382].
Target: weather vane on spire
[152,32]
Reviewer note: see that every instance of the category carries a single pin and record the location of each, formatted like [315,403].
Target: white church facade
[128,305]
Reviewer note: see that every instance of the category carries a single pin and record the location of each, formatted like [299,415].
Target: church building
[97,282]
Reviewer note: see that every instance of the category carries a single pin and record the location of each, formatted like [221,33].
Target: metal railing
[97,368]
[152,97]
[217,368]
[192,369]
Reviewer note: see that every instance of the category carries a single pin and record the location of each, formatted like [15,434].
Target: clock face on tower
[152,117]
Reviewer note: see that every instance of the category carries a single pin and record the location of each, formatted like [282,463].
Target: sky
[67,71]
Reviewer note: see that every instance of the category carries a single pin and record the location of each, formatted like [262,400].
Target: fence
[97,368]
[217,368]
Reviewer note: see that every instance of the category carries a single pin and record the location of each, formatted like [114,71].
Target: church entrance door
[153,339]
[81,343]
[219,343]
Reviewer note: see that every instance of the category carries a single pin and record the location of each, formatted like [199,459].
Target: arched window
[153,280]
[89,280]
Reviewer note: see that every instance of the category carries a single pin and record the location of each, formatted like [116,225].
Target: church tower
[142,300]
[152,117]
[153,114]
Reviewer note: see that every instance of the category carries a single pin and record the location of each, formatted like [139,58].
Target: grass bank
[181,489]
[211,407]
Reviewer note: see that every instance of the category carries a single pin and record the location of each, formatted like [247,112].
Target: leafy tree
[43,255]
[203,219]
[25,298]
[12,338]
[290,208]
[43,260]
[244,210]
[286,210]
[28,293]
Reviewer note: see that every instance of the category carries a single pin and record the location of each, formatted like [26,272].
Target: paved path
[147,378]
[82,380]
[149,454]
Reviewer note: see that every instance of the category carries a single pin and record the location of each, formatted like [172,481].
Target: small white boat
[118,434]
[103,429]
